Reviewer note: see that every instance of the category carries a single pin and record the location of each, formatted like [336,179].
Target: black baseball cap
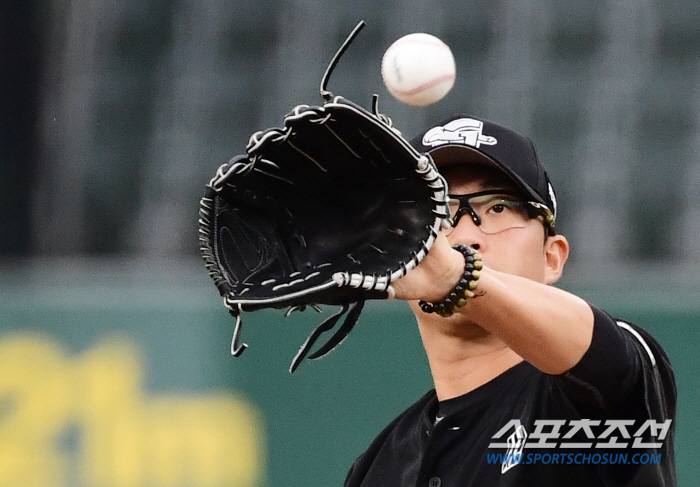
[496,145]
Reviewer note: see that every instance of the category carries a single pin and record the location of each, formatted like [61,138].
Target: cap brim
[449,156]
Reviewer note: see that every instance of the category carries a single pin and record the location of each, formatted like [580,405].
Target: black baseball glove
[330,209]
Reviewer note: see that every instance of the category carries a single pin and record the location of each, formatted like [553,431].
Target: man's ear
[556,252]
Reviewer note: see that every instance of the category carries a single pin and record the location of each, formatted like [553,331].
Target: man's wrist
[467,282]
[447,281]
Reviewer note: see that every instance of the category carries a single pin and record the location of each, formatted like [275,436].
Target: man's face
[519,250]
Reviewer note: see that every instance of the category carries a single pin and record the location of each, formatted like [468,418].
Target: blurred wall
[119,375]
[131,106]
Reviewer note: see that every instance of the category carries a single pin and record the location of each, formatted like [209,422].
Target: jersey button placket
[434,482]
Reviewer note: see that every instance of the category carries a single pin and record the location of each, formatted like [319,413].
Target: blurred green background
[121,375]
[114,362]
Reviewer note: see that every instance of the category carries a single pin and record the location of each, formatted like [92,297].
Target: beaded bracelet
[465,287]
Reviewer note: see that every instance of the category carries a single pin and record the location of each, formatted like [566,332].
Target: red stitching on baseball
[426,85]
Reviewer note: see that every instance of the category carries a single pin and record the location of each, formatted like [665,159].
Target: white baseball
[418,69]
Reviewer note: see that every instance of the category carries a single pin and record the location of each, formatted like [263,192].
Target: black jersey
[609,421]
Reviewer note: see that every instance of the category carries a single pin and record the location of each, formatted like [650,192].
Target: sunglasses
[494,211]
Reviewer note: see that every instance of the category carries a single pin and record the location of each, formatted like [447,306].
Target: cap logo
[464,131]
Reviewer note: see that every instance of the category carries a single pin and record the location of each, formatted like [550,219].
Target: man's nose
[468,233]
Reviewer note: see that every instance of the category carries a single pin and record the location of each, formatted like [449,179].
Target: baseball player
[533,385]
